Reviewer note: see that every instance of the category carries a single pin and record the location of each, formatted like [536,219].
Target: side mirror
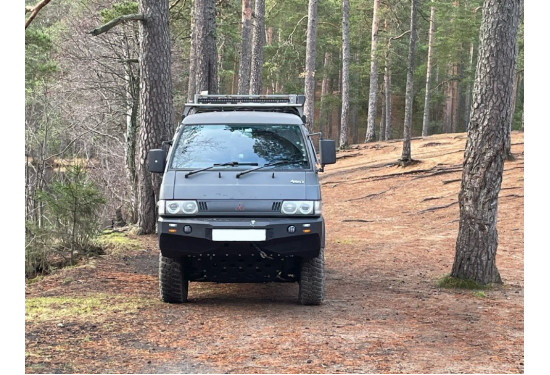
[327,150]
[156,161]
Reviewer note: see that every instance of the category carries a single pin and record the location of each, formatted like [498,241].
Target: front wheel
[312,280]
[172,282]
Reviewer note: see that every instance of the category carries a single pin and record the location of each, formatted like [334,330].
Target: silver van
[240,199]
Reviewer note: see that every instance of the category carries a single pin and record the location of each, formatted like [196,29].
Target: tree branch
[109,25]
[34,11]
[400,36]
[176,3]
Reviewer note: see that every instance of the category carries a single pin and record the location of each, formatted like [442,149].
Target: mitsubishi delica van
[240,199]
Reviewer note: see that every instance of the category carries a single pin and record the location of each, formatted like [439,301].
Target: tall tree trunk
[323,110]
[373,89]
[235,80]
[457,102]
[387,105]
[204,50]
[244,66]
[509,155]
[476,244]
[310,63]
[387,86]
[468,93]
[448,114]
[382,122]
[355,102]
[156,112]
[407,125]
[345,75]
[132,109]
[258,41]
[426,119]
[192,82]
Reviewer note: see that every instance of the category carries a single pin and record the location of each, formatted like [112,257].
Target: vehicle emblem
[239,207]
[297,181]
[252,222]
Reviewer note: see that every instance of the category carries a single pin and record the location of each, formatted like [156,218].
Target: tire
[172,283]
[312,280]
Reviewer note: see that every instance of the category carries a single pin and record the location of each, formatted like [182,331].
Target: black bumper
[304,242]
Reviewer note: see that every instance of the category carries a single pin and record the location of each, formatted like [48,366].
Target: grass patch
[450,282]
[480,294]
[345,241]
[117,242]
[59,308]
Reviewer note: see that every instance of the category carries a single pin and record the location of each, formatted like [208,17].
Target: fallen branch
[357,220]
[368,196]
[430,199]
[451,181]
[437,208]
[441,171]
[512,196]
[512,188]
[347,156]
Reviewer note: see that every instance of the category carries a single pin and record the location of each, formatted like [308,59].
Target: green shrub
[70,222]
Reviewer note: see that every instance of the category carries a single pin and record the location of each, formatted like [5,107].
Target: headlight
[301,207]
[178,207]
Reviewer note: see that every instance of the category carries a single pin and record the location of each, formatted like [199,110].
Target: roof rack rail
[291,103]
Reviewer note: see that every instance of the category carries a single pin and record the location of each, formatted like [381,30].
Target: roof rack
[290,103]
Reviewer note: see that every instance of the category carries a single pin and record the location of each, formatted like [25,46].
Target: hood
[257,185]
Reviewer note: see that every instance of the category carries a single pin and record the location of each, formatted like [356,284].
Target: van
[240,199]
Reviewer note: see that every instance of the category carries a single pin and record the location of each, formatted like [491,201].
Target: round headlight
[289,208]
[190,207]
[306,208]
[173,207]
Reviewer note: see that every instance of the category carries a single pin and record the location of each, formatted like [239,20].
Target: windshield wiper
[229,163]
[272,164]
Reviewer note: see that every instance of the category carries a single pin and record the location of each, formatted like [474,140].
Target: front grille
[203,206]
[276,206]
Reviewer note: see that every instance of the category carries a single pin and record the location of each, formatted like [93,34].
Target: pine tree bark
[192,84]
[130,144]
[309,90]
[387,88]
[382,122]
[244,65]
[449,92]
[426,118]
[509,155]
[387,95]
[204,54]
[406,154]
[371,116]
[324,110]
[477,241]
[258,41]
[156,112]
[344,122]
[468,93]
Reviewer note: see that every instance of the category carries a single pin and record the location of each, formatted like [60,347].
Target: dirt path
[391,235]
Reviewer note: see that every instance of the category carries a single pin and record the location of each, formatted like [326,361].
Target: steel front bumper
[302,237]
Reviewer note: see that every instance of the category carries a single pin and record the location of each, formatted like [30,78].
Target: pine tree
[477,241]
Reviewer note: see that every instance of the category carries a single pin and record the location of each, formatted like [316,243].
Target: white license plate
[238,234]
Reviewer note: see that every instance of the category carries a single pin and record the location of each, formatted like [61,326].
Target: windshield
[202,146]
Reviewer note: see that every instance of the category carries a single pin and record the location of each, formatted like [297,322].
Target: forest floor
[391,235]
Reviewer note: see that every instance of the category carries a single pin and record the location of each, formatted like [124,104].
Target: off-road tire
[172,282]
[312,280]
